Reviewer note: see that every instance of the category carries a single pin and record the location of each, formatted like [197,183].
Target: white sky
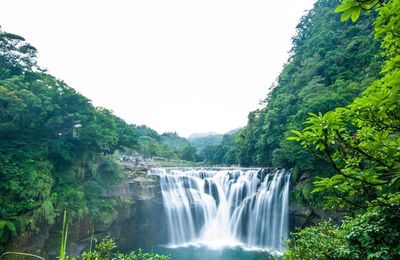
[174,65]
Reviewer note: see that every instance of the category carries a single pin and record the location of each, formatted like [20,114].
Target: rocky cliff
[138,222]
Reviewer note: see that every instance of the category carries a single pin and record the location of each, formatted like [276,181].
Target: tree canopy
[56,147]
[361,143]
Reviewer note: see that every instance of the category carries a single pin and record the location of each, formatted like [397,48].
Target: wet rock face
[138,223]
[301,216]
[143,224]
[140,220]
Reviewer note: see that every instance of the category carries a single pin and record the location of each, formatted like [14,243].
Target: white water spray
[226,207]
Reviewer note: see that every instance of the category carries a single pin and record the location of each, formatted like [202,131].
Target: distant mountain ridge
[201,140]
[200,135]
[234,131]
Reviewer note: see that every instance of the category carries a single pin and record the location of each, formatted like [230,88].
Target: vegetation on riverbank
[105,249]
[56,147]
[338,98]
[331,63]
[361,143]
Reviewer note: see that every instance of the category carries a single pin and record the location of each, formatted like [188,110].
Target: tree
[361,141]
[331,62]
[53,145]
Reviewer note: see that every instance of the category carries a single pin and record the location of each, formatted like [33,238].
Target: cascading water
[226,207]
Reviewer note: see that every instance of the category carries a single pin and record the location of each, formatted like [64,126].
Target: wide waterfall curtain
[247,207]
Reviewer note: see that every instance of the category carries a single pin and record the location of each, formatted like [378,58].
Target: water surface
[206,253]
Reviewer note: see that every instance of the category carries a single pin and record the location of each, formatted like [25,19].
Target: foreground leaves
[374,234]
[361,141]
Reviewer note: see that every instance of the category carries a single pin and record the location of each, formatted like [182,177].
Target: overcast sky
[174,65]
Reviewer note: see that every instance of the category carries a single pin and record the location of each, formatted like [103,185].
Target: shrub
[374,234]
[316,242]
[105,250]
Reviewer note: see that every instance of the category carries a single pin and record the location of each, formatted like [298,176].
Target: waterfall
[222,207]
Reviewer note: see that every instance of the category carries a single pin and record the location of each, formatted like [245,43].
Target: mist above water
[221,207]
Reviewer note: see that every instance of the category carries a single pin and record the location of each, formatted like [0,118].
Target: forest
[57,148]
[332,118]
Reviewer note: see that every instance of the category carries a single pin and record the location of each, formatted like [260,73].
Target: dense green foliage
[337,97]
[105,250]
[222,153]
[179,146]
[217,149]
[374,234]
[166,145]
[331,63]
[361,142]
[55,145]
[316,242]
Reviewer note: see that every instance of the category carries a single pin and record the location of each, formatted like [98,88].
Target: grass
[64,237]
